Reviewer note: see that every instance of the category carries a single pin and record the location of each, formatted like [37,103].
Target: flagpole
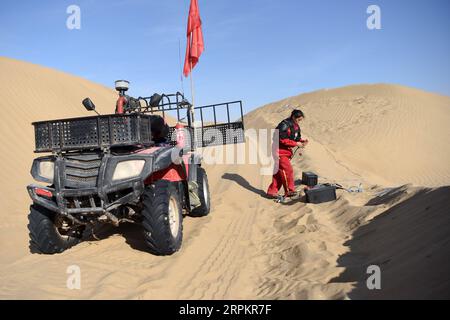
[194,35]
[181,67]
[192,87]
[194,143]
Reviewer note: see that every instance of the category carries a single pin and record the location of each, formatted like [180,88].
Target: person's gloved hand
[305,142]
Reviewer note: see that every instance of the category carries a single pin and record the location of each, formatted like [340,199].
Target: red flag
[195,45]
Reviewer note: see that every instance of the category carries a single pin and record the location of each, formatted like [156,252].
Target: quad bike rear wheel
[203,194]
[162,217]
[49,232]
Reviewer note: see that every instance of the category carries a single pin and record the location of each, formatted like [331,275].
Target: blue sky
[256,50]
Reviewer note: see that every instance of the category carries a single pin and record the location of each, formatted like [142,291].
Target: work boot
[291,194]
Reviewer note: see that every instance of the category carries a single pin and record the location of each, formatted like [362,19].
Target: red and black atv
[125,167]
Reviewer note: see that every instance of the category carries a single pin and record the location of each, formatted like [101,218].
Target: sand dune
[251,247]
[387,138]
[33,93]
[388,133]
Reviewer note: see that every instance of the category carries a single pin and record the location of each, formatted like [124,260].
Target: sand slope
[33,93]
[390,133]
[249,246]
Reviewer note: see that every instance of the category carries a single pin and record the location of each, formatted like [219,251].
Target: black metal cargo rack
[214,132]
[134,127]
[209,133]
[96,132]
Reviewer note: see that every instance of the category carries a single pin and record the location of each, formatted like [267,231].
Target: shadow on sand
[132,233]
[410,242]
[246,185]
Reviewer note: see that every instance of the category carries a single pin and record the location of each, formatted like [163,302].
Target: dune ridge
[391,133]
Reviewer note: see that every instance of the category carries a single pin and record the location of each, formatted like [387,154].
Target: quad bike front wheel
[162,217]
[49,232]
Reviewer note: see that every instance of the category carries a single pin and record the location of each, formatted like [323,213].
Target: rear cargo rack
[97,132]
[209,132]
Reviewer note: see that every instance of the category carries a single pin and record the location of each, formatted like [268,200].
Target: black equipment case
[320,194]
[309,179]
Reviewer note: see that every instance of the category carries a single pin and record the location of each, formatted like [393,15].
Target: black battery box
[309,179]
[321,193]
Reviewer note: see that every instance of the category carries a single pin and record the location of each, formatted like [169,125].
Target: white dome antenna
[122,86]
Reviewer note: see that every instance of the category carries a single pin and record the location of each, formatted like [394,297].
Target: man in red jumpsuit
[289,137]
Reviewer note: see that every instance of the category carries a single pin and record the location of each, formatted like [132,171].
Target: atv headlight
[47,169]
[43,170]
[128,169]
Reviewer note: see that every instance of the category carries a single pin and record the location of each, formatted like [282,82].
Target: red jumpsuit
[285,174]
